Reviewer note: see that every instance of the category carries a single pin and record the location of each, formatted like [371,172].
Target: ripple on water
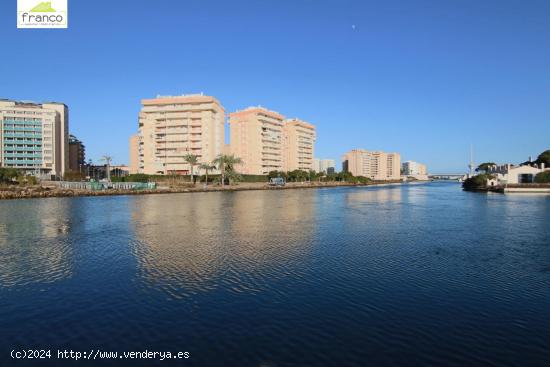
[35,261]
[414,275]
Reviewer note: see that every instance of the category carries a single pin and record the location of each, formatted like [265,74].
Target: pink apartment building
[266,142]
[174,126]
[256,136]
[298,145]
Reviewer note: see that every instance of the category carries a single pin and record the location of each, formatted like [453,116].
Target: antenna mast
[471,165]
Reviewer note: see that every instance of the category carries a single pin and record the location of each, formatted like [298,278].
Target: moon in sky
[353,26]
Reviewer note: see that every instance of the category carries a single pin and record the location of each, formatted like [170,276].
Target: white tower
[471,165]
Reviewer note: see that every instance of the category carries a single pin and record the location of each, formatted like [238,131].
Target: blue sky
[423,78]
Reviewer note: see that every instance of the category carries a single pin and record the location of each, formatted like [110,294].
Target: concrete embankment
[528,188]
[15,192]
[533,188]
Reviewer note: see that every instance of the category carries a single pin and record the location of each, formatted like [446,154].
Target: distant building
[134,154]
[327,166]
[324,165]
[412,168]
[375,165]
[77,154]
[172,127]
[298,144]
[256,136]
[34,137]
[120,170]
[316,166]
[99,172]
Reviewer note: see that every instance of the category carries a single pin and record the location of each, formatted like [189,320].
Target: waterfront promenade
[51,190]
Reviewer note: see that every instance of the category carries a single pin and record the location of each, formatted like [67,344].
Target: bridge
[446,176]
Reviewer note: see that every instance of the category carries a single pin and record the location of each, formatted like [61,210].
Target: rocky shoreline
[31,192]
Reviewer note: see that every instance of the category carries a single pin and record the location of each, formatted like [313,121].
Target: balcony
[22,128]
[22,155]
[22,135]
[22,162]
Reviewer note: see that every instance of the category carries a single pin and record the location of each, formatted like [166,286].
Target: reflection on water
[33,242]
[422,274]
[376,195]
[215,240]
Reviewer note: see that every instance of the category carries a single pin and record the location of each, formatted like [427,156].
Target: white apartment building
[324,165]
[376,165]
[412,168]
[34,137]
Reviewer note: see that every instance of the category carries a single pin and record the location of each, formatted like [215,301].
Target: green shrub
[254,178]
[73,176]
[477,182]
[8,175]
[543,177]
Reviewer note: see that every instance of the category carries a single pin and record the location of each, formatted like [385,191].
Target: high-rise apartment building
[375,165]
[412,168]
[256,136]
[174,126]
[34,137]
[77,154]
[266,142]
[298,144]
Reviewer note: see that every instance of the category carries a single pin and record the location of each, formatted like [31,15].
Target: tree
[361,179]
[477,182]
[485,166]
[192,160]
[7,175]
[297,175]
[544,157]
[26,180]
[206,167]
[233,176]
[344,176]
[331,177]
[543,177]
[313,175]
[226,163]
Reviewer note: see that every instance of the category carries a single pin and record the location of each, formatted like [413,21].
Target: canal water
[413,275]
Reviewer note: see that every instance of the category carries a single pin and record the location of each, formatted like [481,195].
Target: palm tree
[206,167]
[225,162]
[192,160]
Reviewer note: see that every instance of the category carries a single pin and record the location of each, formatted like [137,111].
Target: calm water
[387,276]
